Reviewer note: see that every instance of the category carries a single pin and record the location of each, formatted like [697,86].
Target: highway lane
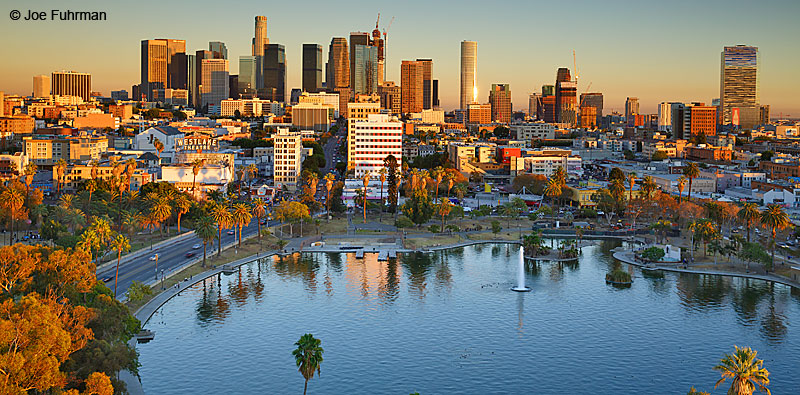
[170,257]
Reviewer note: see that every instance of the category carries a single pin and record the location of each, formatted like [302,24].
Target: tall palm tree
[182,206]
[329,180]
[241,217]
[12,200]
[197,165]
[240,178]
[365,179]
[251,171]
[130,170]
[161,211]
[450,182]
[437,173]
[30,173]
[443,209]
[632,182]
[312,180]
[382,177]
[60,167]
[222,216]
[681,185]
[121,244]
[649,186]
[774,219]
[553,189]
[560,175]
[260,211]
[745,371]
[749,214]
[204,229]
[691,171]
[308,357]
[91,186]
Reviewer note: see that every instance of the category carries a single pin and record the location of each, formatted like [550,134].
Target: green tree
[745,371]
[443,209]
[749,214]
[659,155]
[222,217]
[691,171]
[496,228]
[138,291]
[774,219]
[418,208]
[308,357]
[205,230]
[653,254]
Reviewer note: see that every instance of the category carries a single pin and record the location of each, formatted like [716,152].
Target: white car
[197,246]
[154,257]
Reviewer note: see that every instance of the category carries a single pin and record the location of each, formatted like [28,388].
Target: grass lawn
[336,226]
[503,235]
[422,242]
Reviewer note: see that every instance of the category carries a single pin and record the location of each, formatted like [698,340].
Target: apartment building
[287,159]
[375,139]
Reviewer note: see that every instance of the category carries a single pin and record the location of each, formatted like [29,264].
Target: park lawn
[433,241]
[503,235]
[335,226]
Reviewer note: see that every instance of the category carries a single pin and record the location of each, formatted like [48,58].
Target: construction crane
[378,21]
[387,27]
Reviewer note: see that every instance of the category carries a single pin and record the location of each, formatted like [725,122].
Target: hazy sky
[655,50]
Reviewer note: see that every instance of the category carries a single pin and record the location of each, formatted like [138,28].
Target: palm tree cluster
[745,371]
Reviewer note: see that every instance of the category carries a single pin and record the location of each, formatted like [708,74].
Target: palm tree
[182,206]
[222,216]
[382,177]
[197,165]
[204,229]
[121,244]
[60,167]
[443,209]
[632,181]
[30,173]
[12,200]
[66,201]
[312,180]
[745,371]
[241,217]
[159,146]
[308,357]
[130,170]
[260,211]
[749,214]
[161,211]
[240,177]
[681,185]
[450,182]
[648,187]
[251,170]
[365,179]
[560,175]
[329,180]
[774,219]
[553,189]
[91,186]
[691,172]
[437,173]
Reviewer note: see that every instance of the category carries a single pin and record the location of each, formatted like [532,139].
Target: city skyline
[677,61]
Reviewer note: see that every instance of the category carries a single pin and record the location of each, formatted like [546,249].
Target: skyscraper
[357,38]
[218,50]
[163,65]
[378,43]
[566,98]
[534,104]
[469,73]
[594,100]
[214,82]
[41,86]
[199,56]
[247,72]
[411,86]
[191,80]
[71,83]
[338,67]
[563,75]
[312,68]
[631,107]
[275,72]
[738,87]
[390,97]
[365,70]
[548,90]
[260,39]
[427,83]
[500,100]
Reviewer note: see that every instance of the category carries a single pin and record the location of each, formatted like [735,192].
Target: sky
[654,50]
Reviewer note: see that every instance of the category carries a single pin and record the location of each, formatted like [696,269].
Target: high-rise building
[594,100]
[164,65]
[214,82]
[41,86]
[338,67]
[378,43]
[563,75]
[763,114]
[191,80]
[435,93]
[534,102]
[312,68]
[702,119]
[71,83]
[738,87]
[427,83]
[357,38]
[631,107]
[548,90]
[548,113]
[376,138]
[566,92]
[665,117]
[500,100]
[357,112]
[199,56]
[247,72]
[275,72]
[218,50]
[288,159]
[469,73]
[260,39]
[364,74]
[480,114]
[411,86]
[390,97]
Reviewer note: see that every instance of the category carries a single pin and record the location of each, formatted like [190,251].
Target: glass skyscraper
[275,72]
[248,66]
[365,70]
[738,88]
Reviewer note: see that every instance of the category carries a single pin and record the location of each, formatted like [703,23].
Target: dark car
[189,254]
[108,278]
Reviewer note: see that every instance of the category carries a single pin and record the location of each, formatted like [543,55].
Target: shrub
[138,291]
[434,228]
[653,254]
[453,228]
[496,228]
[618,276]
[404,222]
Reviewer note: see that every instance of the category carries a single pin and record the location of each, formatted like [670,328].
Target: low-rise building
[529,131]
[210,178]
[47,150]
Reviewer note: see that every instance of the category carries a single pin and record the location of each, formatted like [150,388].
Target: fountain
[521,273]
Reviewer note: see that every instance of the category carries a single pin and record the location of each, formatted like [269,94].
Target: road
[170,257]
[331,151]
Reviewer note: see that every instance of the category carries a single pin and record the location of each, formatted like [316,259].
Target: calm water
[447,323]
